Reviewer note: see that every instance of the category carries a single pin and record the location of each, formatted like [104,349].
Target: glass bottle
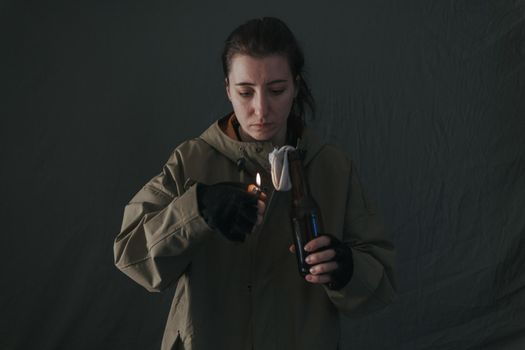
[305,213]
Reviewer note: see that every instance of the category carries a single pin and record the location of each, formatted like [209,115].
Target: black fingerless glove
[228,208]
[345,264]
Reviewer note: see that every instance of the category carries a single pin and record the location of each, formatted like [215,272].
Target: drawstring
[241,164]
[241,167]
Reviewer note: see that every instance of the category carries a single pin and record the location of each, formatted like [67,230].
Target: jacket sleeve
[372,285]
[161,230]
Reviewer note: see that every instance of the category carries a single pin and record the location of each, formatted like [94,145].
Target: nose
[260,105]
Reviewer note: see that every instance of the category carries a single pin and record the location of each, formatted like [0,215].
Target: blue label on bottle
[315,226]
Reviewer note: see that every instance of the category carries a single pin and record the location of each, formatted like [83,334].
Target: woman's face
[261,91]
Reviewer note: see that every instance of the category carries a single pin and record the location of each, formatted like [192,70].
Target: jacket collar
[255,154]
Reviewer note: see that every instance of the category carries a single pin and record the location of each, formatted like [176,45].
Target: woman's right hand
[230,209]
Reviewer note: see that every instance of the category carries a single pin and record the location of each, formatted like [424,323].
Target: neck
[279,139]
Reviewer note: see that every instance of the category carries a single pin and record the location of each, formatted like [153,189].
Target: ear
[227,87]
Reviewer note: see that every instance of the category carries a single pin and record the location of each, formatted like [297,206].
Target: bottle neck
[300,188]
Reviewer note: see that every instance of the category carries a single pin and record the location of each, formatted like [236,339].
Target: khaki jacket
[250,295]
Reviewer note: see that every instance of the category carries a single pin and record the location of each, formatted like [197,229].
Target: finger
[320,279]
[259,219]
[252,188]
[317,243]
[263,196]
[254,228]
[261,207]
[324,268]
[291,248]
[322,256]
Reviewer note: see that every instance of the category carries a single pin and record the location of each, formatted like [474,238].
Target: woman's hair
[267,36]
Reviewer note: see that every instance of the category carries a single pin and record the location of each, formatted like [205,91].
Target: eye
[245,93]
[276,91]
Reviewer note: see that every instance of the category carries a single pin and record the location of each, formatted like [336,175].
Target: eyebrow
[269,83]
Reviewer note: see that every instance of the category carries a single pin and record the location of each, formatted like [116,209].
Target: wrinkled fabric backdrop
[428,97]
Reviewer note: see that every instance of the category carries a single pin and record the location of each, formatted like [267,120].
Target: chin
[262,136]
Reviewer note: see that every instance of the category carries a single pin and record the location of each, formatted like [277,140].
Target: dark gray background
[427,96]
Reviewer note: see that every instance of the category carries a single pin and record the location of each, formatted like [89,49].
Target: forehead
[245,68]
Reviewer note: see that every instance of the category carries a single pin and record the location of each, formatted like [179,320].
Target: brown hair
[266,36]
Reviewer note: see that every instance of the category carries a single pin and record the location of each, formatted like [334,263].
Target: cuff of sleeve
[182,223]
[361,294]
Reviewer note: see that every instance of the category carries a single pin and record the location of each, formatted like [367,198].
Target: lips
[262,125]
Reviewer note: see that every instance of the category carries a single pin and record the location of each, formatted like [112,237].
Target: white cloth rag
[279,166]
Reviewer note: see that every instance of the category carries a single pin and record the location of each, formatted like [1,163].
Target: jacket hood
[253,156]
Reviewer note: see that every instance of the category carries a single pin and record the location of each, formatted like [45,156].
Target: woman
[196,227]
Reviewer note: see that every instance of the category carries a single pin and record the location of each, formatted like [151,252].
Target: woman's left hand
[322,263]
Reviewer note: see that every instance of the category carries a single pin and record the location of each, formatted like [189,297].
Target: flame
[258,180]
